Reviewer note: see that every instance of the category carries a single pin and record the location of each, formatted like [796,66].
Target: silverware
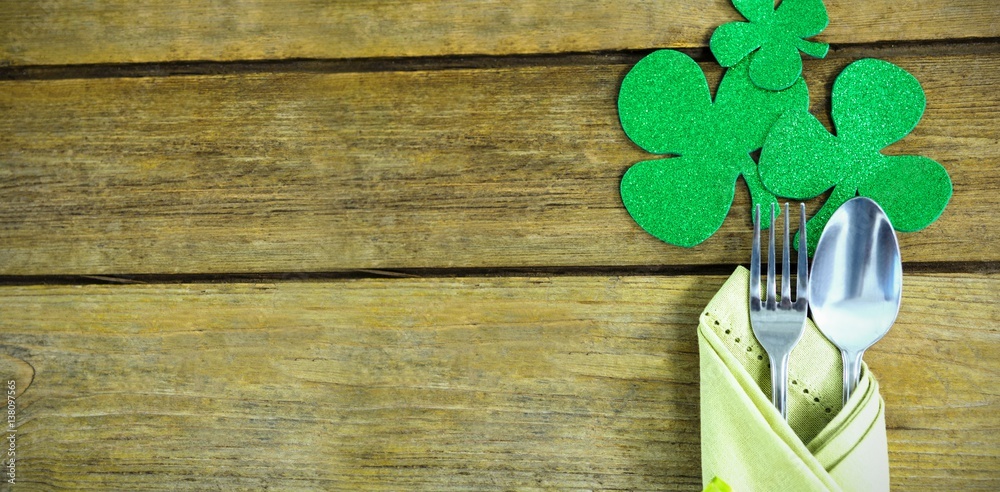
[857,282]
[778,326]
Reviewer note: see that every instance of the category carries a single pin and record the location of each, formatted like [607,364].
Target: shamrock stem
[813,49]
[817,223]
[759,195]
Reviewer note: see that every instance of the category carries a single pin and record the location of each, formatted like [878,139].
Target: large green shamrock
[778,33]
[665,107]
[874,103]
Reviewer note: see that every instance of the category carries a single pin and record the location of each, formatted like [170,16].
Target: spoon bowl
[856,282]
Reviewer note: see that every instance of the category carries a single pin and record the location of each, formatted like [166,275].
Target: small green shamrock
[779,33]
[874,103]
[665,107]
[717,485]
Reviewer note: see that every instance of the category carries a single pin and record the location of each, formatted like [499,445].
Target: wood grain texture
[361,135]
[441,384]
[58,32]
[505,167]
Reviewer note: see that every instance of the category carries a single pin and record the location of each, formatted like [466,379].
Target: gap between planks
[912,268]
[952,47]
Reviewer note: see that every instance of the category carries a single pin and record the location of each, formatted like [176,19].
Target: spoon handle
[852,372]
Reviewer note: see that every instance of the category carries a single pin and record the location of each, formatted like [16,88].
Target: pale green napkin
[745,442]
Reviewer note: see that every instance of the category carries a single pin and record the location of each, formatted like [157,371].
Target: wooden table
[379,245]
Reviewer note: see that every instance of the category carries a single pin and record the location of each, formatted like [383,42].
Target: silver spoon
[856,282]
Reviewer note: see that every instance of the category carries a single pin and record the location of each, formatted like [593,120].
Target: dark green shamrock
[874,103]
[665,107]
[778,33]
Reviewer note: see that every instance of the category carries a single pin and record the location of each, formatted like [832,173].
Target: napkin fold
[744,440]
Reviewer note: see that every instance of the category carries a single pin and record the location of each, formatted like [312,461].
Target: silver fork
[778,326]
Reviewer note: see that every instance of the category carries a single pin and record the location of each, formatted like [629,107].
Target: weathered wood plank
[442,384]
[933,379]
[73,32]
[454,168]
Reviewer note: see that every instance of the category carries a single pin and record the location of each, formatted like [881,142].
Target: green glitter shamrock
[778,33]
[665,107]
[874,104]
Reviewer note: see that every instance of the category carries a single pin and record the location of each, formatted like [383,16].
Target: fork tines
[802,273]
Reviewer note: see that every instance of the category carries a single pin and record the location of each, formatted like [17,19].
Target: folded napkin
[744,441]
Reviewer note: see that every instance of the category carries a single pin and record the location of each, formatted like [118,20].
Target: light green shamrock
[717,485]
[779,33]
[874,104]
[665,107]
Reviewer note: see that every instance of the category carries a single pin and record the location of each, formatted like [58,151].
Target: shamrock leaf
[665,107]
[874,104]
[779,33]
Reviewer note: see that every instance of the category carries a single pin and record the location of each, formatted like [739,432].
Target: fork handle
[779,383]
